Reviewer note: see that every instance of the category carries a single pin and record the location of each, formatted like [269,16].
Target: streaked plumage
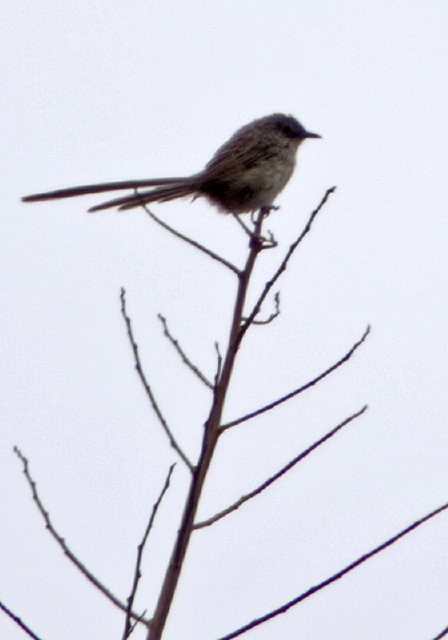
[246,173]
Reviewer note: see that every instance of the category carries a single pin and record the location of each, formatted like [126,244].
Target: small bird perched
[246,173]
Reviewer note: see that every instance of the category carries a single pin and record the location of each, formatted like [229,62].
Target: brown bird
[246,173]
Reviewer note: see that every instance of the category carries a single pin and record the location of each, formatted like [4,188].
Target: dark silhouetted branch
[270,283]
[274,314]
[333,578]
[19,622]
[218,363]
[209,441]
[242,224]
[128,627]
[70,555]
[267,243]
[185,359]
[306,386]
[442,634]
[146,385]
[194,243]
[279,474]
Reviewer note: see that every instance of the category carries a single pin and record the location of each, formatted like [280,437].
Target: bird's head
[289,126]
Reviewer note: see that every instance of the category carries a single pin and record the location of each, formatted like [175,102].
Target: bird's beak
[312,135]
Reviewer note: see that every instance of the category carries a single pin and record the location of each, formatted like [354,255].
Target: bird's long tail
[169,189]
[162,194]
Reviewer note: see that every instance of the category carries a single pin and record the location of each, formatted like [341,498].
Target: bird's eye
[288,130]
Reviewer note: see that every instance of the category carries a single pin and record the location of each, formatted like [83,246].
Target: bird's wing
[241,152]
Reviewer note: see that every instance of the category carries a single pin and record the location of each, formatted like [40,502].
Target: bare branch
[274,314]
[336,576]
[210,438]
[193,243]
[70,555]
[182,353]
[442,634]
[279,474]
[19,622]
[306,386]
[128,627]
[270,283]
[243,226]
[267,243]
[218,363]
[136,622]
[146,385]
[270,242]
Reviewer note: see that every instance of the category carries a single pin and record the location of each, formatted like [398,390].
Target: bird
[246,173]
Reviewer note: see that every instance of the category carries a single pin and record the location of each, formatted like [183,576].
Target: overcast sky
[99,91]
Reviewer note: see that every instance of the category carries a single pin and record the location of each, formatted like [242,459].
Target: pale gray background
[98,90]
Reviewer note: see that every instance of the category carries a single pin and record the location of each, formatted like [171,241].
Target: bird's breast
[250,188]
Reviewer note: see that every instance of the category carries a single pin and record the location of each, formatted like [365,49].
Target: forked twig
[333,578]
[185,359]
[137,574]
[272,315]
[70,555]
[266,243]
[270,283]
[194,243]
[292,463]
[306,386]
[242,224]
[136,622]
[146,385]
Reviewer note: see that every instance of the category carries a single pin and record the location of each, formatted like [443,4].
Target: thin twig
[279,474]
[270,283]
[70,555]
[128,627]
[274,314]
[333,578]
[19,622]
[267,243]
[306,386]
[218,363]
[137,621]
[146,385]
[243,226]
[442,634]
[185,359]
[194,243]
